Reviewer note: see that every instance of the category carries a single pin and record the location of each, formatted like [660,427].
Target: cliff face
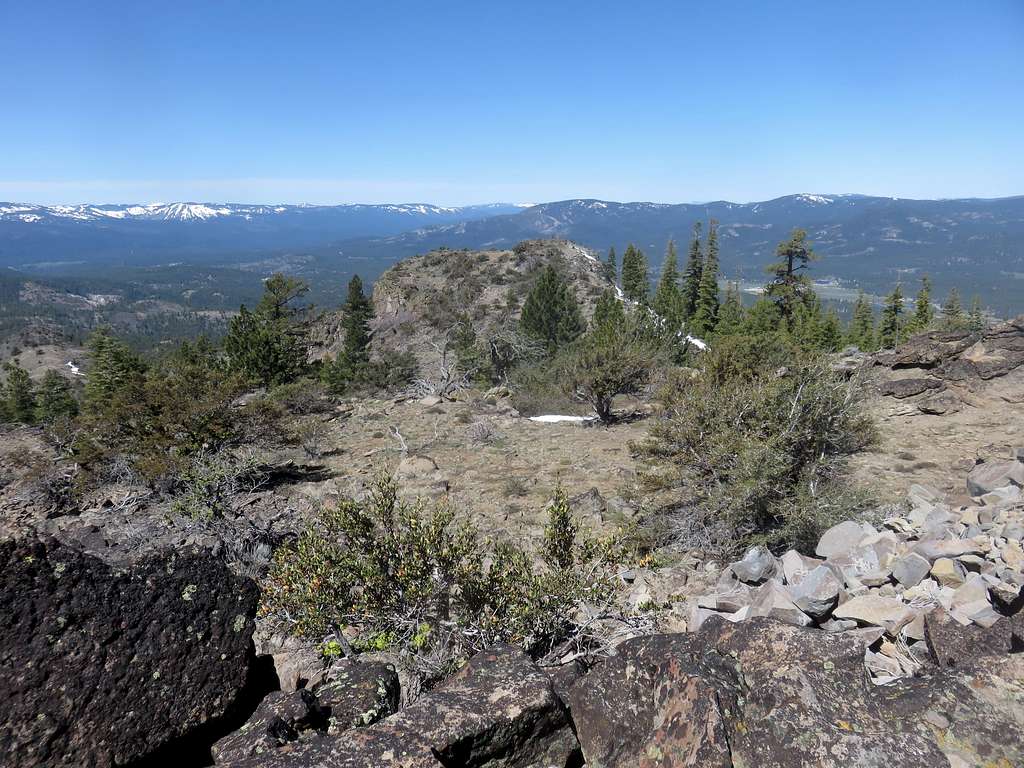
[420,299]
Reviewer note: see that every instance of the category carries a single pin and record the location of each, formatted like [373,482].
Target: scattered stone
[772,599]
[948,572]
[757,565]
[910,569]
[889,613]
[817,593]
[840,539]
[989,476]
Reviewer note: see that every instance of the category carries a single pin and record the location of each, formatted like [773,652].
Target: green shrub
[760,449]
[404,575]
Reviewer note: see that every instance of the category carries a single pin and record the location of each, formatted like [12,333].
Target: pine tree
[862,325]
[355,352]
[667,300]
[611,267]
[831,331]
[805,326]
[268,344]
[19,398]
[54,398]
[115,372]
[705,316]
[953,311]
[609,313]
[692,274]
[731,313]
[634,275]
[975,318]
[923,312]
[890,330]
[550,312]
[788,285]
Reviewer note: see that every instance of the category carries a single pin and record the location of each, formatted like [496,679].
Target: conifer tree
[20,402]
[54,398]
[268,343]
[692,274]
[731,313]
[550,312]
[831,331]
[975,318]
[805,326]
[667,300]
[788,284]
[705,316]
[115,372]
[634,275]
[609,313]
[890,330]
[611,267]
[862,325]
[355,352]
[953,311]
[923,311]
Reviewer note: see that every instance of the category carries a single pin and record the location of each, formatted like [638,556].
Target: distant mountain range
[864,241]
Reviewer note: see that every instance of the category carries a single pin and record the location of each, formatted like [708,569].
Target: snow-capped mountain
[30,214]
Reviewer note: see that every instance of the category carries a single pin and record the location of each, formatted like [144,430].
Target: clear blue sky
[474,101]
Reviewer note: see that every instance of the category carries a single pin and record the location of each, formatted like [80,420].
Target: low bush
[757,451]
[404,576]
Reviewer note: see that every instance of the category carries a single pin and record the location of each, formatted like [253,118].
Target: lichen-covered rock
[358,694]
[764,694]
[279,719]
[103,666]
[500,710]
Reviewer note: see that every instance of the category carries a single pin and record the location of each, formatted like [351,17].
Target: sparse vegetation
[388,573]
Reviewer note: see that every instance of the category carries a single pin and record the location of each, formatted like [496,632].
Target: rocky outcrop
[103,665]
[766,694]
[938,367]
[499,710]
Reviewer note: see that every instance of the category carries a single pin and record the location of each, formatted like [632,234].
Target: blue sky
[467,102]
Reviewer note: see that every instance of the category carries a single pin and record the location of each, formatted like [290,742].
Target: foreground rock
[770,695]
[499,710]
[104,666]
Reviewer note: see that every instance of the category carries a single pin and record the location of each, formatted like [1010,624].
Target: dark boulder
[358,694]
[500,710]
[104,665]
[901,388]
[279,719]
[761,693]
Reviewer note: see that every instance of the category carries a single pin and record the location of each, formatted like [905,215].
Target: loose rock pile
[965,561]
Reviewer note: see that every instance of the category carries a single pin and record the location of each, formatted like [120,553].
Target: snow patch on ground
[554,419]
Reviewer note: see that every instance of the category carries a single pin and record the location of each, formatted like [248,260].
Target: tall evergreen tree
[19,398]
[890,330]
[975,318]
[634,275]
[788,284]
[923,311]
[355,353]
[54,398]
[705,316]
[831,331]
[862,325]
[953,311]
[611,267]
[609,313]
[730,314]
[550,312]
[268,344]
[666,297]
[692,274]
[115,372]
